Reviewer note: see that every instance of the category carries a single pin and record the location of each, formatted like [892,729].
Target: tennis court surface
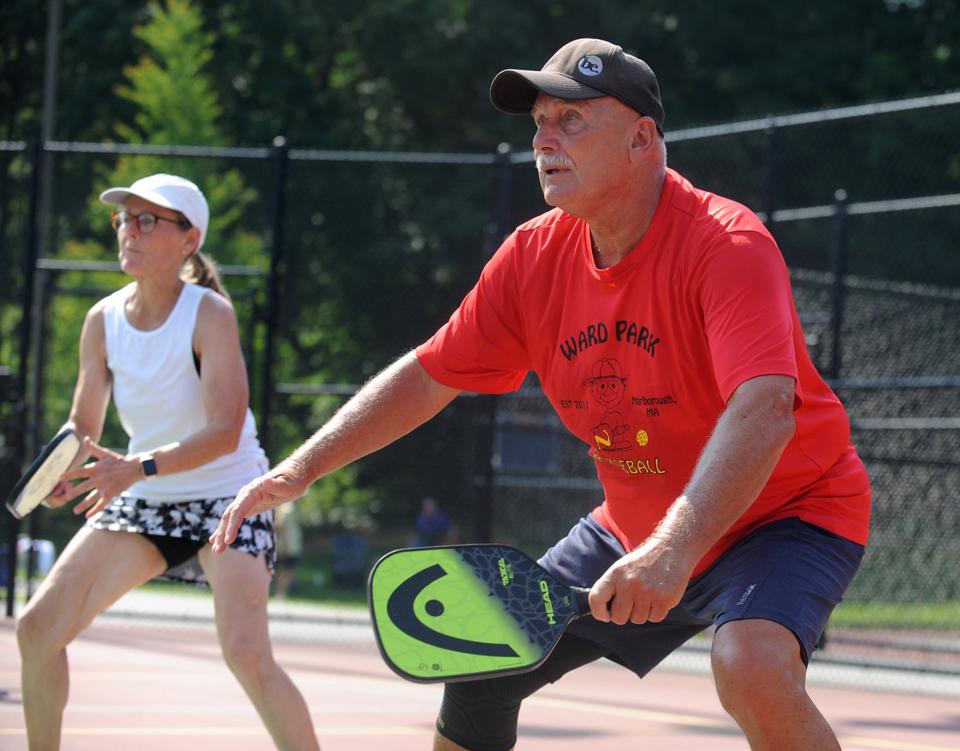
[148,675]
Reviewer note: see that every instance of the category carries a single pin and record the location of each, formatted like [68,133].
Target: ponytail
[202,270]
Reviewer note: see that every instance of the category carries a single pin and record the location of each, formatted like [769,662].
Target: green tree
[176,104]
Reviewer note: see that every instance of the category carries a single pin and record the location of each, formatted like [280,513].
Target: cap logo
[590,65]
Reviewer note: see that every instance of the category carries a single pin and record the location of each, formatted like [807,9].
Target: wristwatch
[149,467]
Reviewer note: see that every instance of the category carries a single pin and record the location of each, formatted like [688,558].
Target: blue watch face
[149,467]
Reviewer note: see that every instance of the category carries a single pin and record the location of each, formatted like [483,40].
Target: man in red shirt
[660,322]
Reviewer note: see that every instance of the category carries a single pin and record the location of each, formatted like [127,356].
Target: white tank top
[156,389]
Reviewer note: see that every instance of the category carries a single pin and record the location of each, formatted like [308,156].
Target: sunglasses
[145,221]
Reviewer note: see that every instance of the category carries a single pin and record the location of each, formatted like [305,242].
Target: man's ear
[643,136]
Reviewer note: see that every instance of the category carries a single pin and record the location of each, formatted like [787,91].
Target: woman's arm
[223,383]
[224,388]
[91,395]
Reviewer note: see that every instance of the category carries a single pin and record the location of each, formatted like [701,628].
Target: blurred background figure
[432,525]
[289,548]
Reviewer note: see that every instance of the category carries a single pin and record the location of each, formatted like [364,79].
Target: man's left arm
[736,463]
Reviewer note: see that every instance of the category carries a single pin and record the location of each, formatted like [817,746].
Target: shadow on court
[139,685]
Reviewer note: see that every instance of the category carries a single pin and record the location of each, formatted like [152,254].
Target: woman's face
[161,249]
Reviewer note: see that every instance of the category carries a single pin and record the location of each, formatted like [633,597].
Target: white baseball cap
[171,192]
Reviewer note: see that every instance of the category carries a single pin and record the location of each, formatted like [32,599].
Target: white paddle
[41,478]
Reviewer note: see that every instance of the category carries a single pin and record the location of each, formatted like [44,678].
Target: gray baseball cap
[582,69]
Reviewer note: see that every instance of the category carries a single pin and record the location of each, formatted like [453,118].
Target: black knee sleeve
[482,715]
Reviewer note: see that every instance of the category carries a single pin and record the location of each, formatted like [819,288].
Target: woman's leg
[93,572]
[240,586]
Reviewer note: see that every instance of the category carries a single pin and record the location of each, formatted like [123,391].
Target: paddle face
[42,476]
[462,612]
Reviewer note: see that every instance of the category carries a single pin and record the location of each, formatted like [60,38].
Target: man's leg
[482,715]
[760,677]
[442,744]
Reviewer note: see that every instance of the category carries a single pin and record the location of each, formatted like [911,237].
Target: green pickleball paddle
[462,612]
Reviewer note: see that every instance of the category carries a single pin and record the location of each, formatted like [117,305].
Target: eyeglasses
[145,221]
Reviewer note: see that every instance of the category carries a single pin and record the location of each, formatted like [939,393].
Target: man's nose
[544,139]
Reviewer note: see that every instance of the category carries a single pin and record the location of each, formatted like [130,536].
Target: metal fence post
[29,270]
[486,413]
[44,282]
[838,253]
[279,156]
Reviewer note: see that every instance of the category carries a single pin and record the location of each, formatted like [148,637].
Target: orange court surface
[148,685]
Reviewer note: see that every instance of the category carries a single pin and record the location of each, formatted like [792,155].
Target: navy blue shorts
[788,571]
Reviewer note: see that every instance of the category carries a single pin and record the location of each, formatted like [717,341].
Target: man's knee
[756,663]
[482,715]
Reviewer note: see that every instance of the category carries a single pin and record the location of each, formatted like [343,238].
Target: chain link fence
[360,256]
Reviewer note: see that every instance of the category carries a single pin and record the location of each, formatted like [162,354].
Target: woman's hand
[58,496]
[102,480]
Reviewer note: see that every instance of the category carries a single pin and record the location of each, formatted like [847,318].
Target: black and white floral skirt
[188,520]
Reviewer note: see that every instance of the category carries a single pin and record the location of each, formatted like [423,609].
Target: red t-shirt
[640,359]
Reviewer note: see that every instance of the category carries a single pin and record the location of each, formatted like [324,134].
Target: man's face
[581,147]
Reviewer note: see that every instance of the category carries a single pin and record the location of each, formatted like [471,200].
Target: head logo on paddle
[467,611]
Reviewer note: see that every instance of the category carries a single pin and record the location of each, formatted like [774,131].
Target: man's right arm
[397,400]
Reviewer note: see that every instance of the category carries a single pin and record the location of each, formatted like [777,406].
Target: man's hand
[283,483]
[642,586]
[102,480]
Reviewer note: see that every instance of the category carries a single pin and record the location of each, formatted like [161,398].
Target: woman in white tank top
[168,351]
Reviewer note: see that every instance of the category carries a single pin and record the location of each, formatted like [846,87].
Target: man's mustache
[552,161]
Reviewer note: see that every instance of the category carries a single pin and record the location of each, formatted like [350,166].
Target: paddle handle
[580,599]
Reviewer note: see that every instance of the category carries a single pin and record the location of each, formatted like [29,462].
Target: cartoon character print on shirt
[607,385]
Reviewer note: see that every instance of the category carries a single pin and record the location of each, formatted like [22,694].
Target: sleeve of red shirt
[747,305]
[481,348]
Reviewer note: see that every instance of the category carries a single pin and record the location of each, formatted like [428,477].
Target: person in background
[659,320]
[166,347]
[289,548]
[432,524]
